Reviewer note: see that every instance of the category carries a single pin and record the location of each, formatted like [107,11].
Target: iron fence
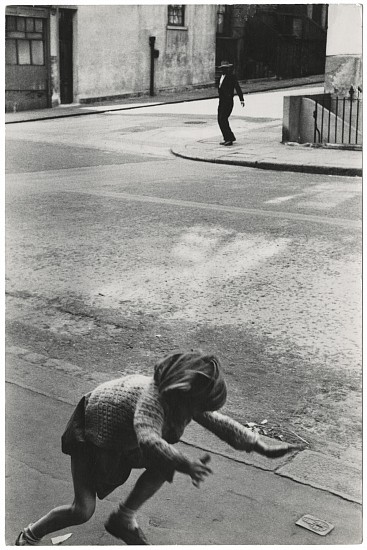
[338,120]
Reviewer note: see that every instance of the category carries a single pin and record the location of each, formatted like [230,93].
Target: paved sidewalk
[261,147]
[161,98]
[248,500]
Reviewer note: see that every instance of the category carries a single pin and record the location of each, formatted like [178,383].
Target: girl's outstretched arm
[275,450]
[239,437]
[157,453]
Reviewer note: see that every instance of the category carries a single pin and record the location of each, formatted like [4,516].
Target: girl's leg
[122,523]
[147,485]
[80,511]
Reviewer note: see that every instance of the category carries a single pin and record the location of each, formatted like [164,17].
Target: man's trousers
[225,108]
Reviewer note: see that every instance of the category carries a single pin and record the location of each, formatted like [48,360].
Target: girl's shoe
[23,541]
[115,527]
[26,538]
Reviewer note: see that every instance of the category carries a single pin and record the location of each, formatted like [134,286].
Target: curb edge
[282,167]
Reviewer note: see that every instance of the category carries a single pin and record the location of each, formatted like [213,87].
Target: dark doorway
[66,55]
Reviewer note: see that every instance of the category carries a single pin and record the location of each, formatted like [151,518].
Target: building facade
[273,40]
[75,54]
[82,53]
[336,116]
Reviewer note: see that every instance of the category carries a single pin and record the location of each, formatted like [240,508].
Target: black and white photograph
[183,274]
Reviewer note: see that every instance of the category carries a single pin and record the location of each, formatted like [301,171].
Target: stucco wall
[188,56]
[344,35]
[342,72]
[112,54]
[343,67]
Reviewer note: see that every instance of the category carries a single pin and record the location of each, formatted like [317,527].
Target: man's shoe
[115,527]
[228,143]
[222,143]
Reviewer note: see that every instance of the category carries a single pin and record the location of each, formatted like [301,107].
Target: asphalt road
[118,252]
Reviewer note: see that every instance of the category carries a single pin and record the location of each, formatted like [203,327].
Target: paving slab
[325,472]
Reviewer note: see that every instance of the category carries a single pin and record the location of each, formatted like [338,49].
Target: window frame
[13,32]
[172,10]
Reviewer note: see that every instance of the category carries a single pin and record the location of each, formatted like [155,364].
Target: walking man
[228,83]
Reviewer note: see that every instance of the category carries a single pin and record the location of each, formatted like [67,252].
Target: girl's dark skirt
[106,468]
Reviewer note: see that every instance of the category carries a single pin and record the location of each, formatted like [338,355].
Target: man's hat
[225,64]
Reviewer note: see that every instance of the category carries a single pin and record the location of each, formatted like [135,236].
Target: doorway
[66,55]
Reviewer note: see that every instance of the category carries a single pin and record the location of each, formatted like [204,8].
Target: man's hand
[199,470]
[242,103]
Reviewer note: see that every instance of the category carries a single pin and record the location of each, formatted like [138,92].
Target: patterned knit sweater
[129,414]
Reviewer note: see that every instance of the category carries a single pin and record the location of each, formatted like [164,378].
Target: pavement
[141,101]
[248,500]
[261,147]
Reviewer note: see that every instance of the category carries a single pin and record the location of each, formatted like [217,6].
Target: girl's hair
[195,374]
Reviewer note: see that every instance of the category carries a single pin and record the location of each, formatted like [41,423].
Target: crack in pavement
[52,303]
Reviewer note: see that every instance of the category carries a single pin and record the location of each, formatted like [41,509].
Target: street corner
[266,155]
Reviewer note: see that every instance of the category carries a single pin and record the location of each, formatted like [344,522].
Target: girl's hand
[199,470]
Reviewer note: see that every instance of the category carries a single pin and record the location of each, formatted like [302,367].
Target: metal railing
[338,120]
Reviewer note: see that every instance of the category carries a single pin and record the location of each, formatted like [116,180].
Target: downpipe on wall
[154,54]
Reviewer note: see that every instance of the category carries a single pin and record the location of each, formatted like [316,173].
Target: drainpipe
[154,54]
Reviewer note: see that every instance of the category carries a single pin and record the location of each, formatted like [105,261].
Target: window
[11,52]
[317,10]
[224,15]
[176,16]
[37,52]
[220,19]
[297,30]
[25,40]
[24,52]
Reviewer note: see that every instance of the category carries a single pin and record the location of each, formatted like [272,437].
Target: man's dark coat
[225,107]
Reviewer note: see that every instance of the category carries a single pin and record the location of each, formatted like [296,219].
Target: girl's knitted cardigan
[129,414]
